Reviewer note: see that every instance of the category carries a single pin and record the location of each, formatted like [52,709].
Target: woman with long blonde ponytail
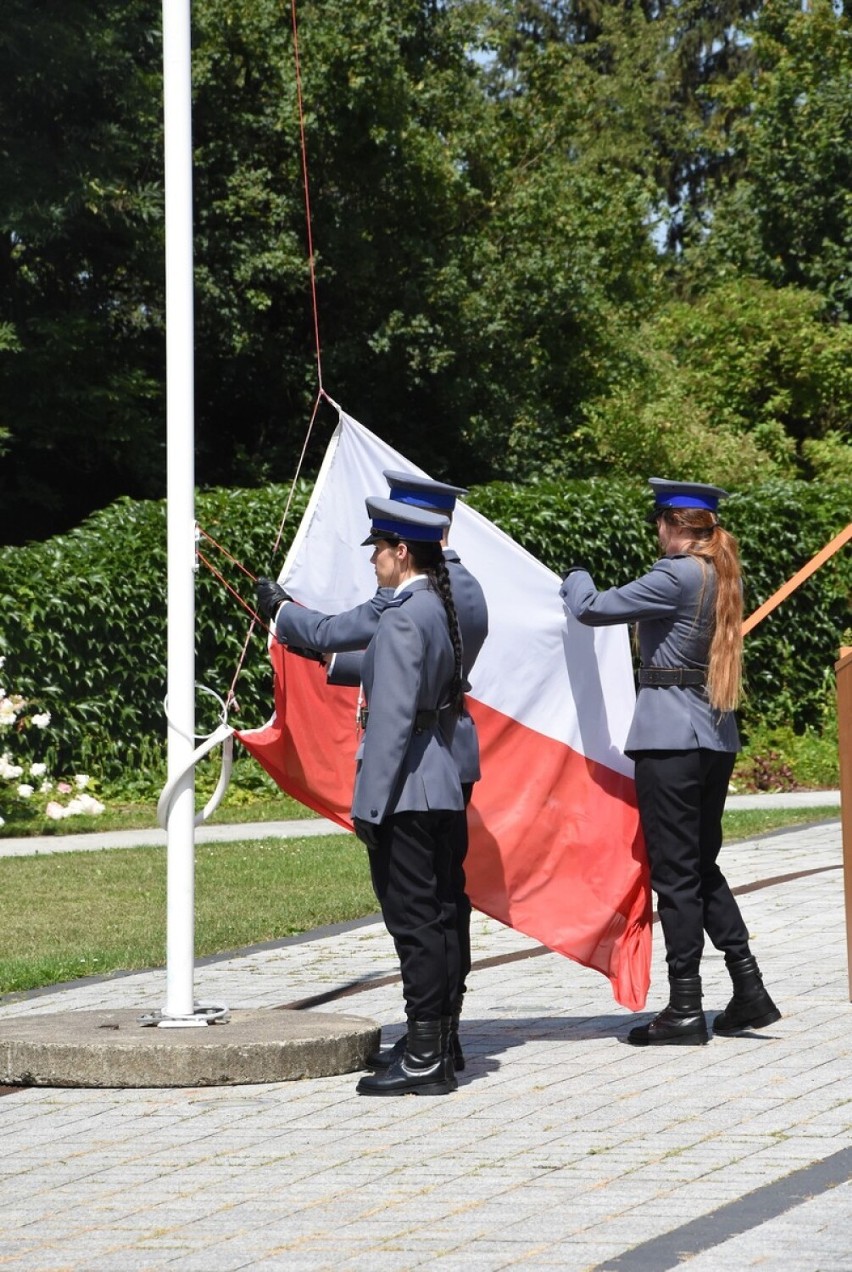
[688,611]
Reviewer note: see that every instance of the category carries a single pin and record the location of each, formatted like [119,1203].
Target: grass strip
[744,823]
[73,914]
[119,815]
[68,915]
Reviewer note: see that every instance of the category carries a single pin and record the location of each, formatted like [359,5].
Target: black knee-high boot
[384,1056]
[424,1068]
[751,1007]
[682,1023]
[456,1052]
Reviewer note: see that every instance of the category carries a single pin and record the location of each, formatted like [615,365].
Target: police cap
[683,494]
[392,520]
[422,492]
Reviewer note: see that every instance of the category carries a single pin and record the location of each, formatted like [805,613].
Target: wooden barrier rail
[843,674]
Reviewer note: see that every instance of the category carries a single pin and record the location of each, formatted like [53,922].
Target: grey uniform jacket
[408,667]
[353,629]
[673,605]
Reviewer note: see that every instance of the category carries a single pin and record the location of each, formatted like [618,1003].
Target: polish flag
[555,846]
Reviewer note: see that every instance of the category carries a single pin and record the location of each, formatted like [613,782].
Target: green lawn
[66,915]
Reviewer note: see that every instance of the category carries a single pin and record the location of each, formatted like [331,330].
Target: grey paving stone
[558,1138]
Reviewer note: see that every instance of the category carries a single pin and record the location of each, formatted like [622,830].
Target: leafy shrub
[781,760]
[84,620]
[84,625]
[780,526]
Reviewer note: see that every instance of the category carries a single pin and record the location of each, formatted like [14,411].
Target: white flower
[83,804]
[42,720]
[9,770]
[7,711]
[25,790]
[46,786]
[2,821]
[38,770]
[54,811]
[81,781]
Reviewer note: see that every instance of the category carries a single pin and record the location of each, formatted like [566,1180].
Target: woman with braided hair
[408,798]
[407,791]
[683,739]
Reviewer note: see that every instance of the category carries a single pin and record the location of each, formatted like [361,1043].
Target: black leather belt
[422,720]
[671,676]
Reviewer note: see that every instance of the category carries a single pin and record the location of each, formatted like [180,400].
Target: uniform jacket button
[374,812]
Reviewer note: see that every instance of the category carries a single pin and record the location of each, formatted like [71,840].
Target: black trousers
[681,797]
[411,871]
[459,884]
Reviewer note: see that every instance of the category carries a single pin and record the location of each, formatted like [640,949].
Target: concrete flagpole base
[113,1049]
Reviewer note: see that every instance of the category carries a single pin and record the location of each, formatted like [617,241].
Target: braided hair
[429,558]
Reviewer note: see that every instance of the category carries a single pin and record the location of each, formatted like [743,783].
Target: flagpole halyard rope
[321,393]
[304,152]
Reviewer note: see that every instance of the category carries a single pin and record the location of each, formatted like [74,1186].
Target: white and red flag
[555,846]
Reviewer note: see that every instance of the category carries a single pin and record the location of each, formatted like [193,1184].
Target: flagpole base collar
[113,1049]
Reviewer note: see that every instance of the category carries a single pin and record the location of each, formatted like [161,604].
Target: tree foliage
[81,242]
[787,218]
[550,237]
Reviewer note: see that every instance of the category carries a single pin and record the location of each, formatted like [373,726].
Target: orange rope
[230,698]
[225,553]
[255,617]
[317,346]
[805,573]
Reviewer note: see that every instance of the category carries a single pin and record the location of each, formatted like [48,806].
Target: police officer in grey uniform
[307,632]
[683,739]
[472,610]
[407,797]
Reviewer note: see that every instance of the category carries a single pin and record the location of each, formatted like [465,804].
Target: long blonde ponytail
[715,545]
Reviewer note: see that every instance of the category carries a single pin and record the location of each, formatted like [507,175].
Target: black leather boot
[681,1024]
[447,1050]
[385,1056]
[456,1052]
[423,1069]
[751,1007]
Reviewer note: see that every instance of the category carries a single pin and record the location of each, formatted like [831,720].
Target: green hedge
[83,622]
[83,626]
[780,525]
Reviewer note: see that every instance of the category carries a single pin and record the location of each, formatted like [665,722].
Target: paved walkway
[562,1148]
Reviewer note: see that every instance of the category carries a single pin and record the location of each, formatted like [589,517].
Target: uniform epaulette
[398,600]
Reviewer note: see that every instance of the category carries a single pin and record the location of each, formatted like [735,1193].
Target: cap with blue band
[391,519]
[422,492]
[684,494]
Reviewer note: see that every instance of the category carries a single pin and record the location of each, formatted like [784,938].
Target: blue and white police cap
[392,520]
[684,494]
[422,492]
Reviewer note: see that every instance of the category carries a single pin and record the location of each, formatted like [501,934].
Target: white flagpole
[180,431]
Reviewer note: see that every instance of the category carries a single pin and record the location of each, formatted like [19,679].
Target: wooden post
[843,672]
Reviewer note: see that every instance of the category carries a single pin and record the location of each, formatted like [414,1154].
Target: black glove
[367,832]
[302,650]
[269,597]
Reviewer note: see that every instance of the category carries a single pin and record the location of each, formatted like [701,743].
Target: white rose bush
[27,790]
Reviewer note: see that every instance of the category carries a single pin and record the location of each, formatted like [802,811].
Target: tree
[731,385]
[787,217]
[80,259]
